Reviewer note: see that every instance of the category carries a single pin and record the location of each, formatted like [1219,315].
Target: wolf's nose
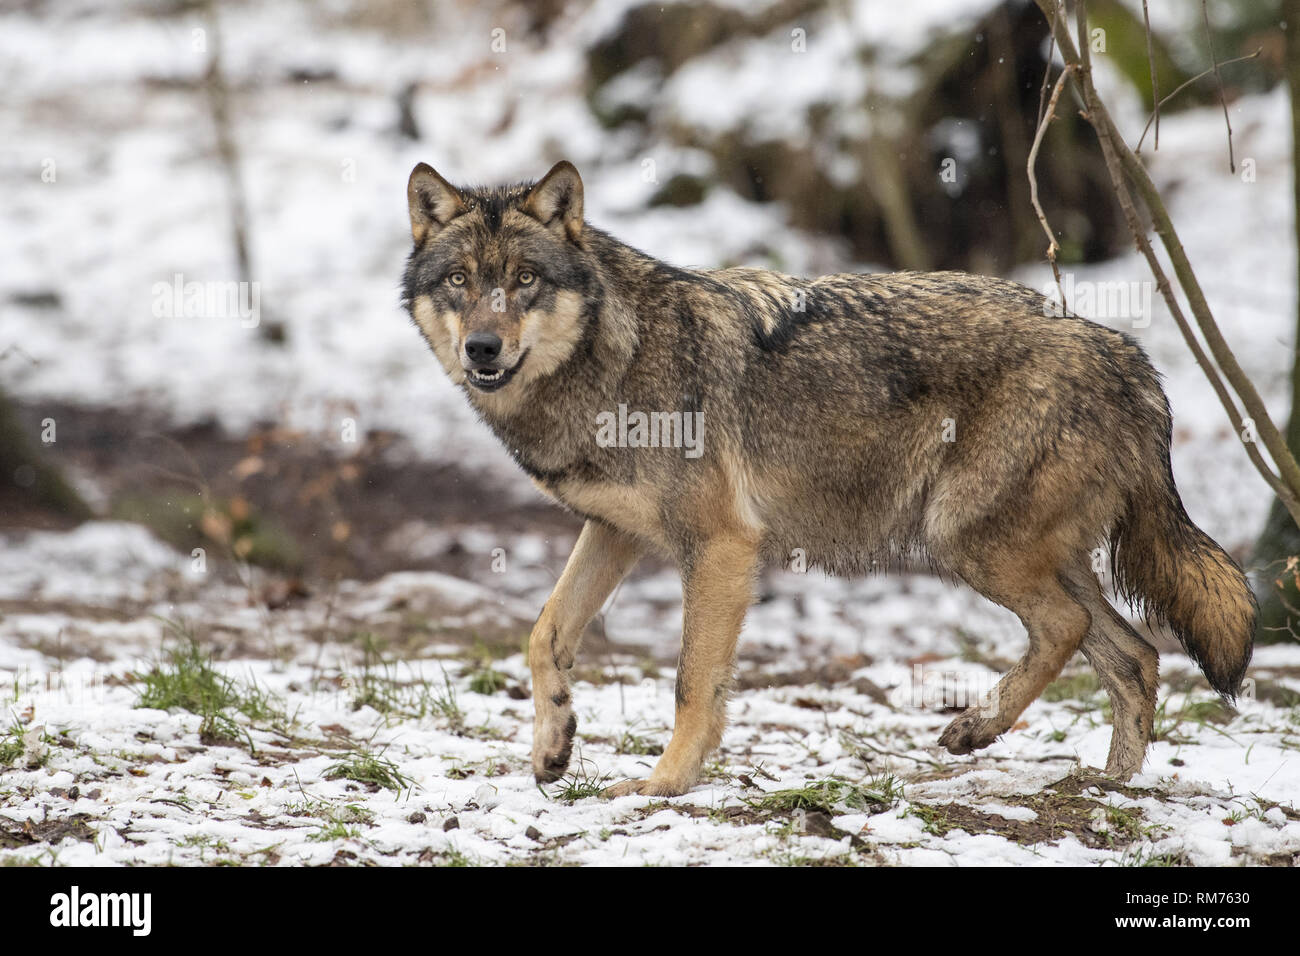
[482,347]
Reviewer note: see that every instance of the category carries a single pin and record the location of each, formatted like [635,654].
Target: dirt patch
[1061,809]
[46,831]
[313,510]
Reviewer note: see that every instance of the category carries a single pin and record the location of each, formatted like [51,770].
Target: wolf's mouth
[491,379]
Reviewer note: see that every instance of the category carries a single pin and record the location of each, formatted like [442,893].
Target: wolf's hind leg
[1056,623]
[717,586]
[600,559]
[1128,668]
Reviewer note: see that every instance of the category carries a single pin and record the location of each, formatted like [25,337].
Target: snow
[150,791]
[137,200]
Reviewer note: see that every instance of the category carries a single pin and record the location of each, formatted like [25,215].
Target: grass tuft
[374,769]
[185,679]
[832,794]
[580,784]
[379,686]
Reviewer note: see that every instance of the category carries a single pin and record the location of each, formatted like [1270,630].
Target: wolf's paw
[646,788]
[969,731]
[552,747]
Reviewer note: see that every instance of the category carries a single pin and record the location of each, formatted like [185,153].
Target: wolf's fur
[864,419]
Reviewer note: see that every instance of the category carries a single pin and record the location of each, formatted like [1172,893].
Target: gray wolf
[863,419]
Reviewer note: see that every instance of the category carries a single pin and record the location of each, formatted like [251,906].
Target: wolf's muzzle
[488,378]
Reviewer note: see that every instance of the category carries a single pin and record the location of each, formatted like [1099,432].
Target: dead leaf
[248,467]
[215,525]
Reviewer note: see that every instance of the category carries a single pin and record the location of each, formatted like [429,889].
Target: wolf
[862,419]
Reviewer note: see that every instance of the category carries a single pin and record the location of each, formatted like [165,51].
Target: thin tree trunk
[228,153]
[1126,171]
[1280,538]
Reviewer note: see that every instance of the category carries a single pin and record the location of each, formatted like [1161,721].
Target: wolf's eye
[456,278]
[526,277]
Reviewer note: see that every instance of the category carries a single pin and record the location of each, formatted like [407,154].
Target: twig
[1223,99]
[17,350]
[1287,486]
[1121,162]
[1052,246]
[1151,63]
[1185,85]
[1254,405]
[1051,47]
[1180,319]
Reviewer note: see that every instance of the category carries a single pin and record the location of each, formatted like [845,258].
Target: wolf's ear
[556,201]
[433,201]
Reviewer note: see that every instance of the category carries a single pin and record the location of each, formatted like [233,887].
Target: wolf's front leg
[600,559]
[717,587]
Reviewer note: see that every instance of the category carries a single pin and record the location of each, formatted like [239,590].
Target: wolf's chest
[633,508]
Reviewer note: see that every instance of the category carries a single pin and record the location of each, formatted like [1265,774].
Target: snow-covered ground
[841,691]
[830,686]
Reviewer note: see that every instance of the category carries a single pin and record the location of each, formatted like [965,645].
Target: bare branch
[1223,99]
[1052,246]
[1180,319]
[1047,72]
[1185,85]
[1151,63]
[1124,168]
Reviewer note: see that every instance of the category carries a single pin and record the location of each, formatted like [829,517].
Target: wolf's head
[498,281]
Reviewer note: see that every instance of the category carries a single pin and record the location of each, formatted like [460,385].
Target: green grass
[485,680]
[1202,713]
[1145,857]
[1125,824]
[203,841]
[783,857]
[375,769]
[832,794]
[262,706]
[1081,686]
[630,743]
[337,822]
[379,686]
[333,831]
[12,747]
[580,784]
[932,818]
[185,679]
[454,858]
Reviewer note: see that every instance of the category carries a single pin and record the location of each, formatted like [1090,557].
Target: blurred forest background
[270,142]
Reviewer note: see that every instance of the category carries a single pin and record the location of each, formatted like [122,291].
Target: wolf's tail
[1185,580]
